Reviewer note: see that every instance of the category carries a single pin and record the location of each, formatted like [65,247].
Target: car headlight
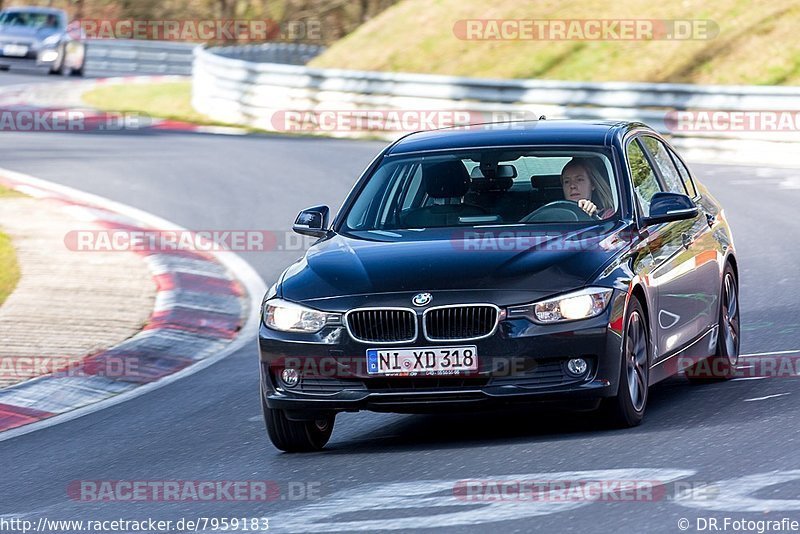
[287,316]
[583,304]
[52,40]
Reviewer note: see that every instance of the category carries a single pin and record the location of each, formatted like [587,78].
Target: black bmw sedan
[560,261]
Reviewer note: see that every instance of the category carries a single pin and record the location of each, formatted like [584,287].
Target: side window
[645,183]
[665,164]
[413,190]
[685,176]
[389,200]
[402,191]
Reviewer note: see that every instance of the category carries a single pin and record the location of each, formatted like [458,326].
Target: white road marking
[423,497]
[735,495]
[767,397]
[790,182]
[765,172]
[775,353]
[757,354]
[749,378]
[416,503]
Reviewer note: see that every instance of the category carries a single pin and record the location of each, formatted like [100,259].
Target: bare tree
[335,18]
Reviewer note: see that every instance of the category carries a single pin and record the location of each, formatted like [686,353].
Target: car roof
[34,9]
[519,133]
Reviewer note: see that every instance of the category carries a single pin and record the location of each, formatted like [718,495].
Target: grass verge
[755,43]
[9,270]
[172,101]
[5,192]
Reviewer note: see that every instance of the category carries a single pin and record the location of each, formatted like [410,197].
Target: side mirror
[312,221]
[668,207]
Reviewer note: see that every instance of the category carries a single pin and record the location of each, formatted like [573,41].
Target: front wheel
[58,65]
[626,408]
[296,436]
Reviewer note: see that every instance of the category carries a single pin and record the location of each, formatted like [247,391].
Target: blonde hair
[602,197]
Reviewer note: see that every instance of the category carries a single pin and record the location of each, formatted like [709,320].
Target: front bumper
[28,60]
[37,56]
[521,362]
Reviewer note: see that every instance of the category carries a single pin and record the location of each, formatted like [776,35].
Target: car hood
[510,260]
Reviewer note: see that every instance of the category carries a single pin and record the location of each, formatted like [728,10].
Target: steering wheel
[559,211]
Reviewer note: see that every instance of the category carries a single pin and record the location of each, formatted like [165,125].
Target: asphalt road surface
[27,74]
[735,443]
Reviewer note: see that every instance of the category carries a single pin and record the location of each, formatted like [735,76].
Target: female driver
[582,183]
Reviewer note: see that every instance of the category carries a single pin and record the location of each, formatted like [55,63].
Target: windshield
[491,187]
[29,19]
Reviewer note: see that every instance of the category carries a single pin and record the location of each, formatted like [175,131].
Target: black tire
[296,436]
[626,409]
[80,70]
[722,365]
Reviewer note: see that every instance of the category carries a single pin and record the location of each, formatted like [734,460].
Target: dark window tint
[645,184]
[672,179]
[685,176]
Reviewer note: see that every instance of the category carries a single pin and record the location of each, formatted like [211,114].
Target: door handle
[711,218]
[687,240]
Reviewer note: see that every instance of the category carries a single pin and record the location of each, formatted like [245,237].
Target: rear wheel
[296,436]
[722,365]
[626,408]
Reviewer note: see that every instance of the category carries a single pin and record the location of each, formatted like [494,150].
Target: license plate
[15,50]
[422,361]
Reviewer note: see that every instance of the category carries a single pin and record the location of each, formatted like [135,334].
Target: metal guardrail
[109,57]
[114,57]
[229,87]
[286,53]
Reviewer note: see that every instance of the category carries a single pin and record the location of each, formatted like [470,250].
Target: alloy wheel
[636,361]
[730,319]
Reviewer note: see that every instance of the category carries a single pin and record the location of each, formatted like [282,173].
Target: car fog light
[290,377]
[577,366]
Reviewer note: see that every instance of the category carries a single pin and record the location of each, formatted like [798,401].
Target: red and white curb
[206,309]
